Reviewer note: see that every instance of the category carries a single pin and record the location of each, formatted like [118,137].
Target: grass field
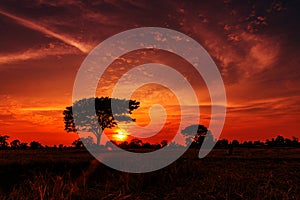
[256,173]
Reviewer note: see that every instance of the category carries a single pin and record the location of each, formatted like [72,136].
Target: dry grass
[247,174]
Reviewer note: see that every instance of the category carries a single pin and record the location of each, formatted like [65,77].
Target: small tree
[295,141]
[3,141]
[35,145]
[124,145]
[164,143]
[15,144]
[104,116]
[88,141]
[24,145]
[195,137]
[235,143]
[77,144]
[147,145]
[222,143]
[136,143]
[279,141]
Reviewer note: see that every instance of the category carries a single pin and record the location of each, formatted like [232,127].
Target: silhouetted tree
[35,145]
[279,141]
[104,117]
[258,143]
[235,143]
[88,141]
[111,144]
[24,145]
[247,144]
[230,148]
[222,143]
[77,144]
[156,146]
[273,141]
[15,144]
[3,141]
[209,137]
[147,145]
[164,143]
[268,142]
[124,145]
[287,142]
[295,141]
[136,143]
[192,137]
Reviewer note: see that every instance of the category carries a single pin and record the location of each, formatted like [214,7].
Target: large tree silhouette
[196,134]
[104,116]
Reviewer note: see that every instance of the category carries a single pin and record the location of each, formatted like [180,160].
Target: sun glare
[120,135]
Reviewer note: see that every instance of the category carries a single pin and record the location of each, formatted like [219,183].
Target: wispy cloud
[42,109]
[35,54]
[32,25]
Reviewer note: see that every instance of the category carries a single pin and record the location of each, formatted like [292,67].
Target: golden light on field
[120,135]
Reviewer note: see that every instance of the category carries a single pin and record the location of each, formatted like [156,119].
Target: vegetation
[253,170]
[105,116]
[250,173]
[136,143]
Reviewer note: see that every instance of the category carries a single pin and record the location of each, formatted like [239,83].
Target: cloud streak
[34,54]
[29,24]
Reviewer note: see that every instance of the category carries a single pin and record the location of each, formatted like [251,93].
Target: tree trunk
[98,139]
[99,136]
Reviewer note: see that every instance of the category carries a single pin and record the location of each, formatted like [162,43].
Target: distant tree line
[279,141]
[136,143]
[17,144]
[104,118]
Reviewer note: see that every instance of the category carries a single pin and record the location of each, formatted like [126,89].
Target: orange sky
[255,45]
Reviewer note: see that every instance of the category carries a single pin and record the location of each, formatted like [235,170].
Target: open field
[257,173]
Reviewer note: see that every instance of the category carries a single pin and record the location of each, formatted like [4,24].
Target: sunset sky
[255,44]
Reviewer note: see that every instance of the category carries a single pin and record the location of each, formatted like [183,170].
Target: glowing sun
[120,135]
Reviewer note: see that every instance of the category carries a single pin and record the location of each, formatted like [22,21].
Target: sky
[255,45]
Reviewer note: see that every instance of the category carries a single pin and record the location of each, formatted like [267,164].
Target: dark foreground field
[73,174]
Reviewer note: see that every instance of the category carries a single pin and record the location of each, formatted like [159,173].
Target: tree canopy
[104,117]
[3,141]
[195,134]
